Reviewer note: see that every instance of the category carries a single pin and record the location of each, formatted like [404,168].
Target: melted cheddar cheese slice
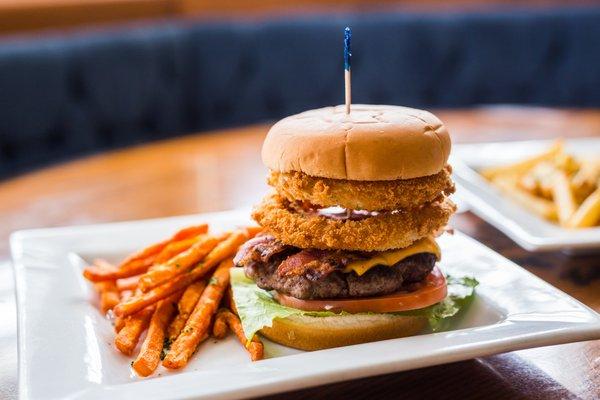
[391,257]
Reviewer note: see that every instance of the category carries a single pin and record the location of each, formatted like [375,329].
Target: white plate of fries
[543,194]
[69,349]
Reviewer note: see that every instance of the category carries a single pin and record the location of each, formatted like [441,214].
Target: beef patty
[318,274]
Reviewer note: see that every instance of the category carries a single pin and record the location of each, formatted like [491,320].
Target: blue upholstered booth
[66,95]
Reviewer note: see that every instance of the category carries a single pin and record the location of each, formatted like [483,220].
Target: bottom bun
[316,333]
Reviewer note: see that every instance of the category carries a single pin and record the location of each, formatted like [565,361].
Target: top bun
[373,143]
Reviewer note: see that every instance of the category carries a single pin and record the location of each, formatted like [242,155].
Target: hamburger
[348,253]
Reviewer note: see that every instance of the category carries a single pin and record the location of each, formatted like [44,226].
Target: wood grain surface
[222,170]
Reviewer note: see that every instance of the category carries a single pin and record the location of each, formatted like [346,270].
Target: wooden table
[222,170]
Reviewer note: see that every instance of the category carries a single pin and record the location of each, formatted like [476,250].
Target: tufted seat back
[63,96]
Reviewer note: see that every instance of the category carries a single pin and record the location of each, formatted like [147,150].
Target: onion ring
[362,195]
[384,231]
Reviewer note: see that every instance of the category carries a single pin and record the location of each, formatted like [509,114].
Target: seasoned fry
[119,322]
[199,321]
[185,307]
[190,232]
[156,248]
[541,207]
[150,251]
[149,356]
[98,273]
[524,165]
[107,290]
[179,264]
[178,307]
[139,302]
[128,283]
[173,249]
[588,213]
[220,327]
[128,336]
[226,318]
[225,249]
[563,197]
[109,295]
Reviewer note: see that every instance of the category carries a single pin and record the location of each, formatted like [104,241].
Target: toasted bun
[316,333]
[373,143]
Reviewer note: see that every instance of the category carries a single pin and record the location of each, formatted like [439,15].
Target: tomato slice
[431,290]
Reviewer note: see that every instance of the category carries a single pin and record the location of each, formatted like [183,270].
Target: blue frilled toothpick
[347,64]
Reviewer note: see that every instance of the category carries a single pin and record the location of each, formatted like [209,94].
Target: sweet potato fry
[107,290]
[149,356]
[109,295]
[119,322]
[220,328]
[139,302]
[97,273]
[185,307]
[172,249]
[178,265]
[154,249]
[226,318]
[128,336]
[190,232]
[128,283]
[223,250]
[227,248]
[199,321]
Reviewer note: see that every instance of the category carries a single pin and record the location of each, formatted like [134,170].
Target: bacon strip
[311,263]
[314,264]
[260,248]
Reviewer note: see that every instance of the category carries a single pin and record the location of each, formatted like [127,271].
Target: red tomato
[432,290]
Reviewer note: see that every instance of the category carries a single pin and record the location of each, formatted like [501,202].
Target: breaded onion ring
[362,195]
[390,230]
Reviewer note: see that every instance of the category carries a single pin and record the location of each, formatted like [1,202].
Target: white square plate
[65,345]
[525,228]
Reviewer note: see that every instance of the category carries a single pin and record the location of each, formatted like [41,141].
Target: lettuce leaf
[257,308]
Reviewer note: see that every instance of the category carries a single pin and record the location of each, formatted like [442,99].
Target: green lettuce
[257,308]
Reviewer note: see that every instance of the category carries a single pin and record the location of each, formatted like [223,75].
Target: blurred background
[83,76]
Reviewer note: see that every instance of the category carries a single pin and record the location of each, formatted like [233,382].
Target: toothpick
[347,65]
